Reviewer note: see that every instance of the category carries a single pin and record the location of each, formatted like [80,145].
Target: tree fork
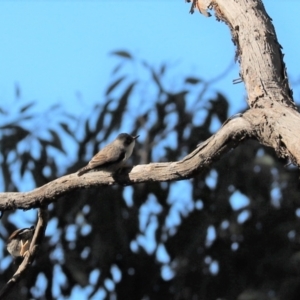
[272,118]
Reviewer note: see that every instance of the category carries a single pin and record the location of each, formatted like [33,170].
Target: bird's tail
[83,170]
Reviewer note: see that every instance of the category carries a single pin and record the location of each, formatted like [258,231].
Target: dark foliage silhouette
[180,240]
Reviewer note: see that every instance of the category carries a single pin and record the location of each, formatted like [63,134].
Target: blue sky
[58,50]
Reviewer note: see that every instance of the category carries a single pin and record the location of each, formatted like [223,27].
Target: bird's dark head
[24,233]
[127,139]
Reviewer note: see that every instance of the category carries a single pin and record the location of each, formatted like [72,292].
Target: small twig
[237,80]
[30,255]
[193,6]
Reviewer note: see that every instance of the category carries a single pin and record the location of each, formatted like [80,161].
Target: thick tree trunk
[272,113]
[271,119]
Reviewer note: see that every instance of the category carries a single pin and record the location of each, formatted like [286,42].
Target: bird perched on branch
[19,241]
[113,156]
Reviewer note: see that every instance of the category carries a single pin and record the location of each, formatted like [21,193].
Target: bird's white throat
[129,150]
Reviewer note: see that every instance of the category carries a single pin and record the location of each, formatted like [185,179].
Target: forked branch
[228,137]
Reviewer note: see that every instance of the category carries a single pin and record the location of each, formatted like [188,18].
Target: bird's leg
[24,248]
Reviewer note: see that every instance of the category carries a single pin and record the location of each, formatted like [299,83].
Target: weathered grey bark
[209,151]
[272,118]
[272,113]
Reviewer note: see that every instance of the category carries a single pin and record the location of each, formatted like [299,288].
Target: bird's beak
[135,137]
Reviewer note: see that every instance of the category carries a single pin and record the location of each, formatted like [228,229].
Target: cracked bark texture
[272,118]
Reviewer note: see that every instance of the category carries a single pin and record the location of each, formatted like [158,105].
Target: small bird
[19,241]
[113,156]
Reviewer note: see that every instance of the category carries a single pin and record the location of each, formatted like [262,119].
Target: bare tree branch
[258,51]
[272,119]
[201,158]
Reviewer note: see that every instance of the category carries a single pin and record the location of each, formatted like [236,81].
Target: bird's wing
[102,160]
